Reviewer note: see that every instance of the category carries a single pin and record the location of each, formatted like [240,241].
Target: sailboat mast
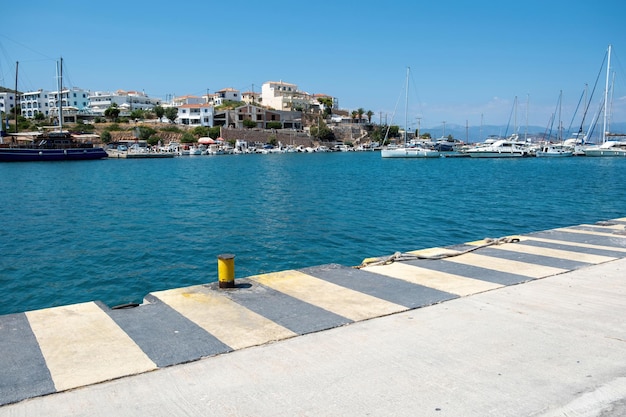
[608,122]
[560,123]
[61,95]
[606,94]
[527,106]
[406,107]
[17,64]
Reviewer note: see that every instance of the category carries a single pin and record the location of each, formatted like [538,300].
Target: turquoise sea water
[115,230]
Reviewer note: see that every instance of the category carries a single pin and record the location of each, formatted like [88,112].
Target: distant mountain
[6,90]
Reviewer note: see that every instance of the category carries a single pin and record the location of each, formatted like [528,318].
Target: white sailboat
[407,150]
[608,147]
[559,149]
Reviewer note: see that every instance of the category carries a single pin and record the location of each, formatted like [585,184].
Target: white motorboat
[503,148]
[608,148]
[555,150]
[409,152]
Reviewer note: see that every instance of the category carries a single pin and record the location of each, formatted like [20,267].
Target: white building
[188,99]
[280,95]
[33,102]
[72,99]
[47,102]
[250,97]
[225,94]
[126,101]
[195,115]
[7,101]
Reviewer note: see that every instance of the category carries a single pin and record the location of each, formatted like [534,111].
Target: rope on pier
[399,256]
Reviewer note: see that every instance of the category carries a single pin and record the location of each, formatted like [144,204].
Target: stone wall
[286,137]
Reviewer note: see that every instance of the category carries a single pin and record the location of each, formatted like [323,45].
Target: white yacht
[502,148]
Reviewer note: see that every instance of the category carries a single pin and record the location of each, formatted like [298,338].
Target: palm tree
[369,116]
[360,112]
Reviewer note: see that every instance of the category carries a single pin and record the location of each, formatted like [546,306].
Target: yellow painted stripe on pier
[580,245]
[233,324]
[506,265]
[334,298]
[82,345]
[593,232]
[554,253]
[442,281]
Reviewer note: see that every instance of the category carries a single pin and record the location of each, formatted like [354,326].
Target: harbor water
[116,230]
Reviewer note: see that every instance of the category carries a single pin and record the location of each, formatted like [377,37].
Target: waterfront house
[197,114]
[7,100]
[127,101]
[280,95]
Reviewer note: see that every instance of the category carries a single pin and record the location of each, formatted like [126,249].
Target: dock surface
[446,331]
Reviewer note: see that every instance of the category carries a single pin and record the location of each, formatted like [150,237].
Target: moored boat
[57,145]
[50,146]
[503,148]
[555,150]
[409,152]
[608,148]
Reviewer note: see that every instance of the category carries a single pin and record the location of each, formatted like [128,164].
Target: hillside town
[279,107]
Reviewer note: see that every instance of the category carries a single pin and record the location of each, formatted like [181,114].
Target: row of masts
[60,88]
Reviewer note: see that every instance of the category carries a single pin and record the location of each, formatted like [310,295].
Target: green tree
[249,124]
[153,140]
[145,132]
[105,137]
[138,114]
[200,131]
[214,132]
[354,114]
[112,112]
[171,113]
[188,137]
[159,112]
[323,132]
[23,123]
[274,125]
[327,102]
[369,116]
[360,112]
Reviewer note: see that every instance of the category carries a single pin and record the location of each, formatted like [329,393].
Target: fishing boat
[57,145]
[555,150]
[407,150]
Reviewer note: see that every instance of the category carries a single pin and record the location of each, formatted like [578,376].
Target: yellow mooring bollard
[226,270]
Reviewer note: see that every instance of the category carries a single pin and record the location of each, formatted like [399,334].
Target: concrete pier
[530,326]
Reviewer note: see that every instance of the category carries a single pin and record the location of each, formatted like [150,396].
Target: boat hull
[491,154]
[34,154]
[605,152]
[544,154]
[409,153]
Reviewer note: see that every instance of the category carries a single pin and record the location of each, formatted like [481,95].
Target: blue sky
[468,60]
